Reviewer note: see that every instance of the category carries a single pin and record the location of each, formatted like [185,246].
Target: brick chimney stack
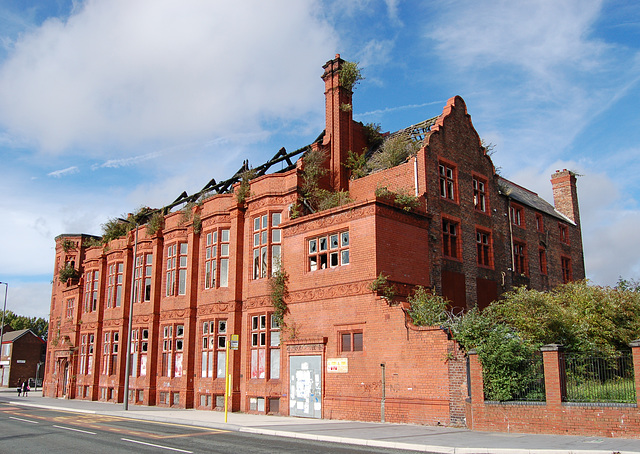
[338,133]
[565,194]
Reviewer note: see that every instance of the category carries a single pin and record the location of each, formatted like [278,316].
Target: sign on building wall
[338,365]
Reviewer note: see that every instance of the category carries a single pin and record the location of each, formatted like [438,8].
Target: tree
[38,325]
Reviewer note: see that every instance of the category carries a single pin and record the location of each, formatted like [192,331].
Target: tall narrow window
[171,269]
[567,273]
[142,283]
[70,305]
[564,233]
[82,370]
[265,344]
[266,239]
[479,194]
[520,258]
[483,243]
[211,260]
[450,238]
[539,223]
[177,269]
[517,215]
[182,269]
[224,257]
[114,285]
[447,181]
[91,291]
[167,349]
[110,352]
[542,256]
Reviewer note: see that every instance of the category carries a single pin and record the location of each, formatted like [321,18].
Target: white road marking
[155,446]
[24,420]
[75,430]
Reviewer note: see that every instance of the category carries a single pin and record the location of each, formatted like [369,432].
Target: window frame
[356,341]
[264,347]
[448,237]
[484,251]
[448,183]
[516,215]
[520,259]
[323,249]
[480,196]
[563,232]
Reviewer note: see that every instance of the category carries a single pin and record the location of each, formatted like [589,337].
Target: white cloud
[123,73]
[64,172]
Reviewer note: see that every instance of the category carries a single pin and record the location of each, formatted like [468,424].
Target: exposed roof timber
[225,187]
[418,131]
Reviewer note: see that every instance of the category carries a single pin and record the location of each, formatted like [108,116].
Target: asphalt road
[36,430]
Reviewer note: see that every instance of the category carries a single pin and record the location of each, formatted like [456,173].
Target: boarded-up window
[487,292]
[454,290]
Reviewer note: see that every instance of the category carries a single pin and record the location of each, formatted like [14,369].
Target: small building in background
[23,355]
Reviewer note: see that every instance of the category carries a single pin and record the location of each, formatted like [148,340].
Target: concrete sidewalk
[399,436]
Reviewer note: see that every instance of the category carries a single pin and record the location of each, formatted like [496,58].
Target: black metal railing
[595,379]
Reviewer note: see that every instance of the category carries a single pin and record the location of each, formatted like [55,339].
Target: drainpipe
[415,173]
[511,236]
[382,365]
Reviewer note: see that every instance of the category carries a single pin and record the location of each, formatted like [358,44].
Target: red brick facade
[198,285]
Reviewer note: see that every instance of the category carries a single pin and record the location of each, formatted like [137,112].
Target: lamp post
[4,309]
[127,368]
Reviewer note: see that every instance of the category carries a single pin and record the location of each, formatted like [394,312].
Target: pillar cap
[552,348]
[635,343]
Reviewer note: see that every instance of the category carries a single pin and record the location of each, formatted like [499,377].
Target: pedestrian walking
[25,388]
[19,387]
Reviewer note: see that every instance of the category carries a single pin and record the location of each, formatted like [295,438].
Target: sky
[110,105]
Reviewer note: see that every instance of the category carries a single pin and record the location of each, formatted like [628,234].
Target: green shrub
[427,308]
[381,285]
[350,75]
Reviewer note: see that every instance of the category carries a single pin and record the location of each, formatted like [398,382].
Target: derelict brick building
[202,277]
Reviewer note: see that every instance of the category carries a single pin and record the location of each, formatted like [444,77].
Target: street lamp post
[127,368]
[4,309]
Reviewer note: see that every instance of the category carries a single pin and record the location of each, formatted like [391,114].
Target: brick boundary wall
[553,416]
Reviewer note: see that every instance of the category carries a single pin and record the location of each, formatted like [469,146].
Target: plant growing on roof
[402,198]
[155,223]
[357,164]
[350,75]
[373,135]
[68,245]
[394,151]
[67,272]
[244,190]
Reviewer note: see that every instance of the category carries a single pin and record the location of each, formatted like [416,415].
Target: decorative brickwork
[203,285]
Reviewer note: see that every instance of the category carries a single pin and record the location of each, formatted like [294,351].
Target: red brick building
[343,351]
[22,355]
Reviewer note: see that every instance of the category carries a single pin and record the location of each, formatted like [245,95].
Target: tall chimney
[565,194]
[338,133]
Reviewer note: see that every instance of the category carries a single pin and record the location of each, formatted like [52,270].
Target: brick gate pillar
[475,404]
[554,383]
[635,351]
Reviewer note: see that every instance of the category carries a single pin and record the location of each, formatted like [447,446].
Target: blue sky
[109,105]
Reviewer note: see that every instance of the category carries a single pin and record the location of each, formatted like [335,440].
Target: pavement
[410,437]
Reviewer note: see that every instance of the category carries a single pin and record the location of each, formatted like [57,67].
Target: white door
[305,394]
